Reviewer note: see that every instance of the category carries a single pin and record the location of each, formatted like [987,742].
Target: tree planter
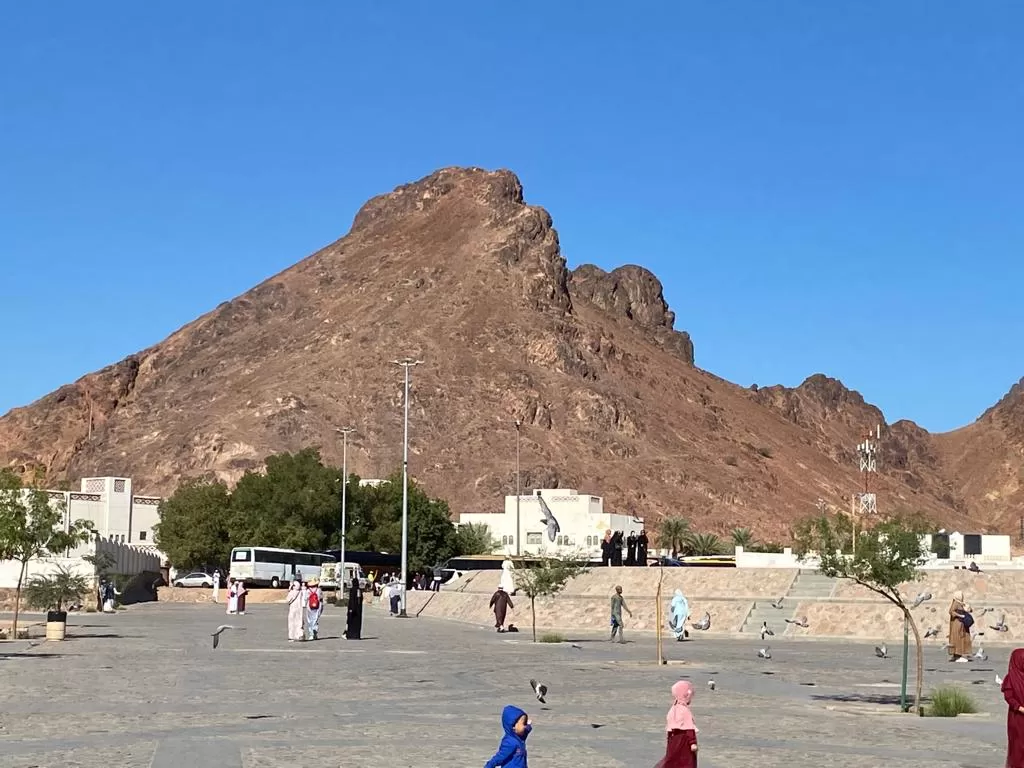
[56,625]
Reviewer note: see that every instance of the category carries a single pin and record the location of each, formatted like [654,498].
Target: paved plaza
[144,689]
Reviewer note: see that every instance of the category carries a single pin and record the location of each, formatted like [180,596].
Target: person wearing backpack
[314,607]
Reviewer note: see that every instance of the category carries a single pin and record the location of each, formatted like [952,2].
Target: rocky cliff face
[457,270]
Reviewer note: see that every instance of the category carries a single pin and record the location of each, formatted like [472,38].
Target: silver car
[197,579]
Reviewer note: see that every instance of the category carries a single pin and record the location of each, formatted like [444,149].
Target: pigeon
[921,598]
[933,632]
[980,654]
[540,690]
[711,685]
[220,630]
[880,651]
[597,725]
[766,630]
[1000,626]
[704,623]
[983,611]
[764,653]
[778,603]
[800,621]
[973,567]
[549,519]
[999,680]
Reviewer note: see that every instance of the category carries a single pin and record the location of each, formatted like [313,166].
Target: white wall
[129,560]
[783,559]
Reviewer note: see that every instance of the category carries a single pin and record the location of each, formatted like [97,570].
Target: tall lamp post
[344,432]
[406,363]
[518,491]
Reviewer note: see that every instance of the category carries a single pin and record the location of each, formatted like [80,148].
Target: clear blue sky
[834,187]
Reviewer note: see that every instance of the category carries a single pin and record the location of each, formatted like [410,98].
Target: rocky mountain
[457,270]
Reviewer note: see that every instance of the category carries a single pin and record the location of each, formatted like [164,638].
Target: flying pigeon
[704,623]
[711,685]
[778,603]
[1000,626]
[220,630]
[921,598]
[999,680]
[880,651]
[764,653]
[800,621]
[766,630]
[933,632]
[549,519]
[983,611]
[540,690]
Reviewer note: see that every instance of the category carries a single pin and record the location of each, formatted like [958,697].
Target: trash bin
[56,625]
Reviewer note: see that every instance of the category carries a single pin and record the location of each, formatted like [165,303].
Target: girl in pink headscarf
[681,744]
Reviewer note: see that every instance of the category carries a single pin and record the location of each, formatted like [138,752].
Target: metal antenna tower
[867,453]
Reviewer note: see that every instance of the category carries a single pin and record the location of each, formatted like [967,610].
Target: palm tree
[742,537]
[672,534]
[704,544]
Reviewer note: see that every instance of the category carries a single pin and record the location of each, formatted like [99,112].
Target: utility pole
[344,432]
[518,490]
[867,454]
[406,363]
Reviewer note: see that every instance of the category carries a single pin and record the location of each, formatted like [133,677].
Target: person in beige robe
[959,637]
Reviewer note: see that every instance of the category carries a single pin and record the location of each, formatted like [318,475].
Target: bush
[551,637]
[951,701]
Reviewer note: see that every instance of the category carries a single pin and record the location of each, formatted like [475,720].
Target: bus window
[241,555]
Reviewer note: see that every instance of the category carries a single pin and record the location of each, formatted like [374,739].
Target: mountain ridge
[458,269]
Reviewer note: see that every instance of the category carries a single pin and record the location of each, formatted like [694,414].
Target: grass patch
[950,701]
[551,637]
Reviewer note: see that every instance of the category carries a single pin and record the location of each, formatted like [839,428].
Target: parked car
[196,579]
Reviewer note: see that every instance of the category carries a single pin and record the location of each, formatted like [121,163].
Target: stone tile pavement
[144,689]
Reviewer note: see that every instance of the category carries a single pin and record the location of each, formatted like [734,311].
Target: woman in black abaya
[354,627]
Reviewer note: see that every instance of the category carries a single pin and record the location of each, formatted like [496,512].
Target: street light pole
[518,491]
[344,431]
[406,363]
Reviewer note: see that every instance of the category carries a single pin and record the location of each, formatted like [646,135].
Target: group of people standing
[305,606]
[635,545]
[236,596]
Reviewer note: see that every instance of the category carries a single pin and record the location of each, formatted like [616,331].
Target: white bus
[273,567]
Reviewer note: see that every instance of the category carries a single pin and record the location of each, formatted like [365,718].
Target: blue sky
[831,187]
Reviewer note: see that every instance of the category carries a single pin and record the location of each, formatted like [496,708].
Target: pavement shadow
[860,698]
[29,655]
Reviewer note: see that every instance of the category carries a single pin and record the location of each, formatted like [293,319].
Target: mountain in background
[458,271]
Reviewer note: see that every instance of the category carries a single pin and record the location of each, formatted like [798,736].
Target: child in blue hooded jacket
[512,750]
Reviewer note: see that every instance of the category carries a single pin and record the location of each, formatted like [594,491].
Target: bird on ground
[548,520]
[539,690]
[921,598]
[973,567]
[1000,626]
[220,631]
[764,653]
[766,631]
[800,621]
[712,685]
[933,632]
[704,623]
[999,680]
[881,651]
[980,654]
[778,603]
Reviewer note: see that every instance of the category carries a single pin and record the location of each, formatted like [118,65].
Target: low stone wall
[205,595]
[569,612]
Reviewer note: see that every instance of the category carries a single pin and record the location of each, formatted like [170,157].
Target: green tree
[475,539]
[295,503]
[888,555]
[53,592]
[193,528]
[672,534]
[742,537]
[32,527]
[546,578]
[703,544]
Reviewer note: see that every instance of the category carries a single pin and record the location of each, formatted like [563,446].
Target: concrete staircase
[808,585]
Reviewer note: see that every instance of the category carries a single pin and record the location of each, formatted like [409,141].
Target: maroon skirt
[678,752]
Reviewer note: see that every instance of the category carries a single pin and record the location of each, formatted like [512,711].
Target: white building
[115,512]
[981,547]
[581,517]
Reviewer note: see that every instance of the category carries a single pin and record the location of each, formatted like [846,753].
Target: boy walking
[618,605]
